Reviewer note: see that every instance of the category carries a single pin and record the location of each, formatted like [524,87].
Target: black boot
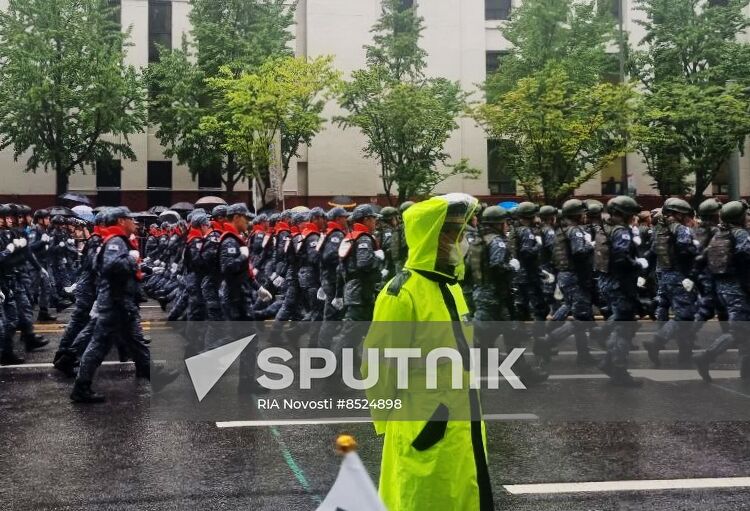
[82,393]
[10,359]
[34,342]
[66,364]
[606,367]
[702,363]
[162,377]
[653,352]
[584,359]
[44,315]
[622,378]
[62,305]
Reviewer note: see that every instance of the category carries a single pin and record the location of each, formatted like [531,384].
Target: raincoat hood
[425,221]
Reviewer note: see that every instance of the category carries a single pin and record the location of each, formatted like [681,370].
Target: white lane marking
[352,420]
[619,486]
[736,392]
[48,365]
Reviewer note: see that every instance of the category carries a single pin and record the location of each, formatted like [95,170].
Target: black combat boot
[10,359]
[65,363]
[34,342]
[622,378]
[44,315]
[82,393]
[702,363]
[653,352]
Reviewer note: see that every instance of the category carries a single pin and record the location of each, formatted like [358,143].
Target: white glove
[71,288]
[147,261]
[65,260]
[384,272]
[71,241]
[514,264]
[173,267]
[538,240]
[2,297]
[94,311]
[273,276]
[697,243]
[688,285]
[264,295]
[643,263]
[157,263]
[255,272]
[547,277]
[61,244]
[278,281]
[45,238]
[134,254]
[10,248]
[587,237]
[158,270]
[132,237]
[20,242]
[45,272]
[245,252]
[337,303]
[380,255]
[321,295]
[641,282]
[558,295]
[637,241]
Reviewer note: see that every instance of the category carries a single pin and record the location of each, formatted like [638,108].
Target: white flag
[353,489]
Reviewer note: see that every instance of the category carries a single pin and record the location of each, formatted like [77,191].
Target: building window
[108,182]
[159,27]
[209,178]
[493,61]
[497,9]
[499,178]
[159,183]
[720,184]
[407,4]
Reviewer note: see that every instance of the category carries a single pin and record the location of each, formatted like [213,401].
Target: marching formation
[548,273]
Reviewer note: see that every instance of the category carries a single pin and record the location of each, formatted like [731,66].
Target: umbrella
[76,197]
[342,201]
[182,206]
[209,202]
[508,205]
[157,210]
[84,212]
[169,216]
[146,215]
[100,208]
[61,210]
[300,209]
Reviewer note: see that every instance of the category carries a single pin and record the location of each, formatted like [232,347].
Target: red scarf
[193,234]
[117,231]
[333,226]
[280,227]
[217,226]
[258,228]
[309,228]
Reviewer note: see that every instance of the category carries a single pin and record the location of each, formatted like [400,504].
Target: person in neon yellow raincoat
[434,456]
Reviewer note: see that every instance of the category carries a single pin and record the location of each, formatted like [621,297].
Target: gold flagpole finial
[345,444]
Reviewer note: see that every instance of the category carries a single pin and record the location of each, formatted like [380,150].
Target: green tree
[406,117]
[694,71]
[552,98]
[235,36]
[66,95]
[283,99]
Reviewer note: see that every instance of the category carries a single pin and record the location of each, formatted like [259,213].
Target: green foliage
[694,71]
[564,133]
[285,97]
[406,118]
[232,35]
[551,100]
[66,95]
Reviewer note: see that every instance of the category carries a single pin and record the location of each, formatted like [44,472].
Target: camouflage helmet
[363,211]
[41,213]
[526,210]
[593,207]
[337,212]
[675,205]
[573,207]
[219,211]
[4,210]
[494,215]
[404,206]
[734,212]
[388,212]
[547,211]
[709,207]
[623,205]
[317,212]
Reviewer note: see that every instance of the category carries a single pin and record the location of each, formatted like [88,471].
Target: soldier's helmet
[526,210]
[41,213]
[593,207]
[337,212]
[709,207]
[734,212]
[675,205]
[317,212]
[494,215]
[262,218]
[388,212]
[219,211]
[404,206]
[573,207]
[623,205]
[363,211]
[547,211]
[4,210]
[58,220]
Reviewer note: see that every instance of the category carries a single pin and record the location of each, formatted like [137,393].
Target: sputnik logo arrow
[205,369]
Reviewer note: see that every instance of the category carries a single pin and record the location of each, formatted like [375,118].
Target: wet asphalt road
[56,455]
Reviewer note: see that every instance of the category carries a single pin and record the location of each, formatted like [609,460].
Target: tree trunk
[61,180]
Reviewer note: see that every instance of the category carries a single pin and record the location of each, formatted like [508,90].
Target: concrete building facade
[463,41]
